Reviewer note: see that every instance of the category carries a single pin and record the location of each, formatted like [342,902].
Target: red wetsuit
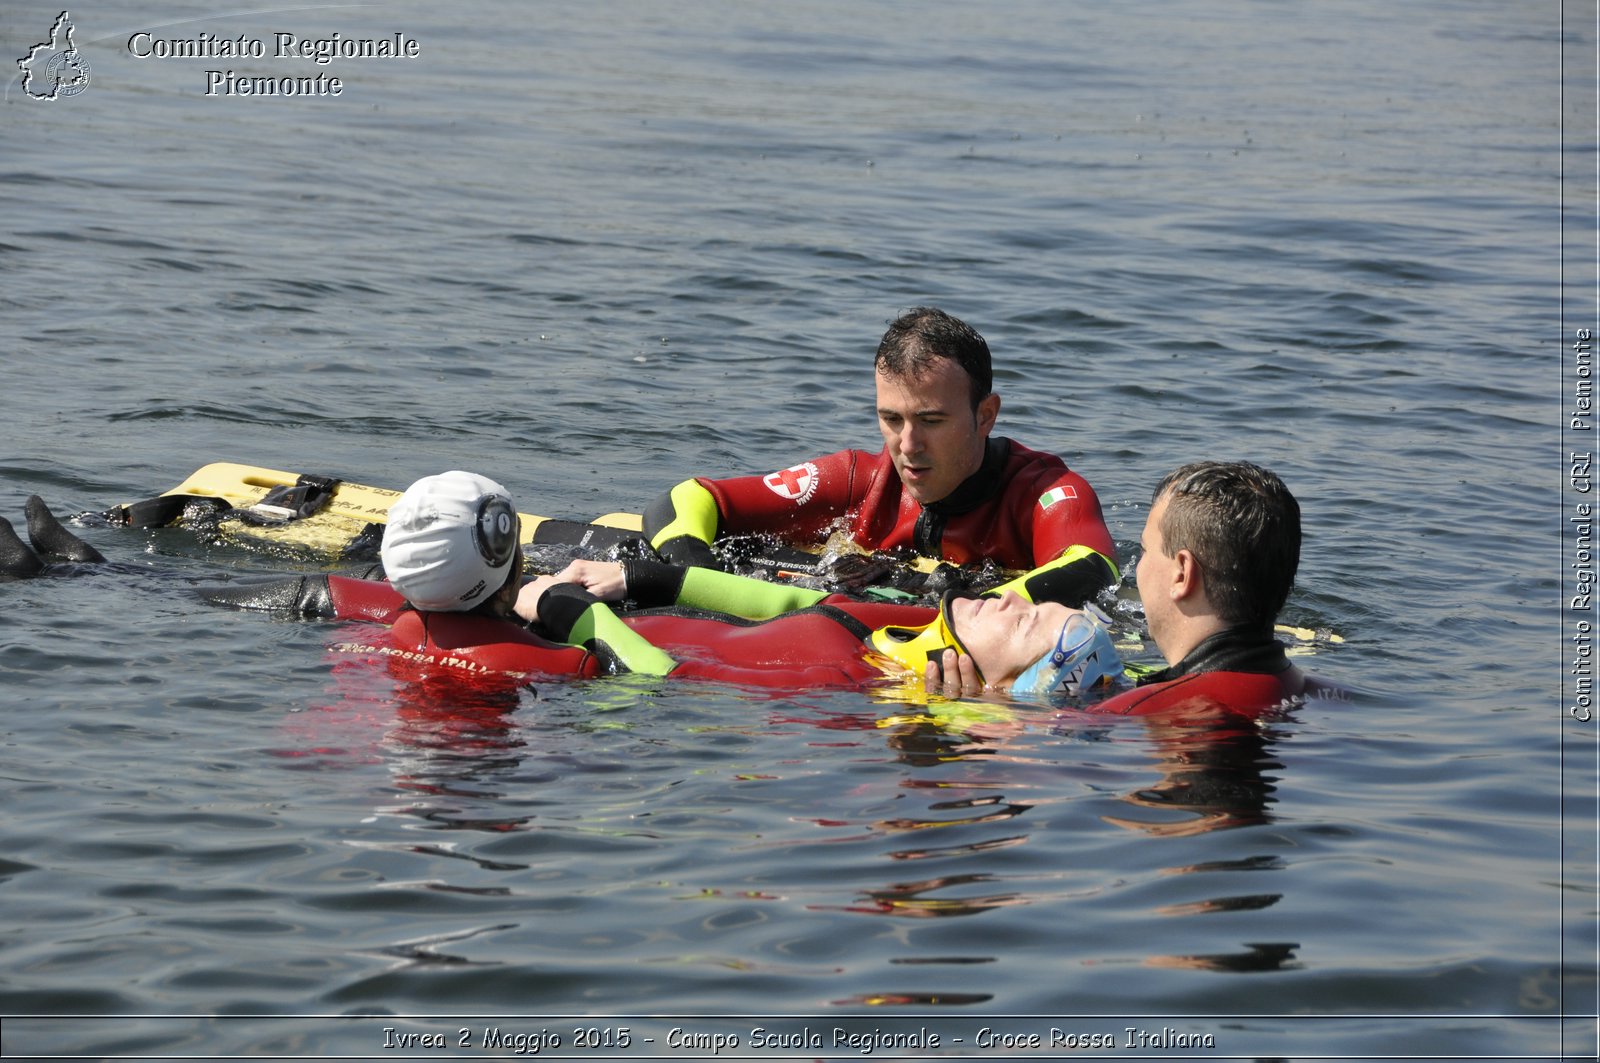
[820,646]
[1236,672]
[1021,510]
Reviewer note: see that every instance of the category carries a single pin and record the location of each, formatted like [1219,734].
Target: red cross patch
[797,482]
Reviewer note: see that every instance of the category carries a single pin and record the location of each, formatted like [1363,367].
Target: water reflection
[430,951]
[1210,774]
[894,999]
[447,742]
[912,900]
[449,738]
[1253,958]
[988,809]
[1213,777]
[458,753]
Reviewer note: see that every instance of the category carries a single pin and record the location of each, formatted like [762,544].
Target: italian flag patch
[1056,494]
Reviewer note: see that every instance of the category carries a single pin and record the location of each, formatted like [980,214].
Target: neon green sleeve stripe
[599,631]
[753,599]
[694,514]
[1026,583]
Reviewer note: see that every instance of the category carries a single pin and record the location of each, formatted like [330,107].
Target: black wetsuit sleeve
[682,524]
[1074,583]
[653,583]
[570,614]
[1075,578]
[305,595]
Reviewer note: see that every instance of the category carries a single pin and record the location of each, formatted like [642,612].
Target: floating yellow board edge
[352,507]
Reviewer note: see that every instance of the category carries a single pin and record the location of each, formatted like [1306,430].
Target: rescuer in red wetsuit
[1218,557]
[940,488]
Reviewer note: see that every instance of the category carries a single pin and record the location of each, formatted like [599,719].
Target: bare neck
[1189,633]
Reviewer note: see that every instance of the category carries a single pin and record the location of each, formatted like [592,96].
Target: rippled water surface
[590,249]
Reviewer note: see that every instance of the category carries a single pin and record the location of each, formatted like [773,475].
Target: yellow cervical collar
[914,646]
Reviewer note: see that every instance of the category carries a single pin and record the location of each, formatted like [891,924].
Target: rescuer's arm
[567,613]
[682,524]
[655,583]
[1074,578]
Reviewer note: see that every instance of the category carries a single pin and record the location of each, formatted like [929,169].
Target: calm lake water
[592,248]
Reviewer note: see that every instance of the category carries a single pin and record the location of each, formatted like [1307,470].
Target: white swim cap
[450,541]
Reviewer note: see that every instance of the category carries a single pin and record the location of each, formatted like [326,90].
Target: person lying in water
[455,598]
[1221,549]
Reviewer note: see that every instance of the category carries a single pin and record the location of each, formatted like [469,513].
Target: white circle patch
[797,483]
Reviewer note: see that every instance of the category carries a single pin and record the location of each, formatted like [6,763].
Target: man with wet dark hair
[1242,526]
[916,339]
[1218,557]
[942,487]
